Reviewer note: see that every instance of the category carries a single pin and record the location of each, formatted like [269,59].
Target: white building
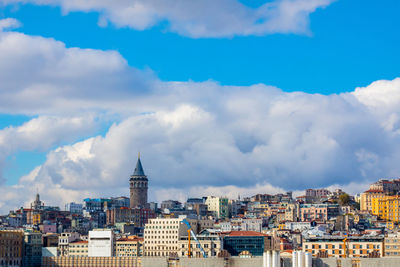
[161,235]
[101,243]
[218,205]
[252,225]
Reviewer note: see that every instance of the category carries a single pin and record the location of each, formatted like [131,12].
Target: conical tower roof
[139,169]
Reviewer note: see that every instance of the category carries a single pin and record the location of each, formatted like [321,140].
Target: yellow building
[367,196]
[334,246]
[131,246]
[387,208]
[78,249]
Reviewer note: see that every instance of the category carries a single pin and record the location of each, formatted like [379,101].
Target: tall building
[138,184]
[32,252]
[11,247]
[218,206]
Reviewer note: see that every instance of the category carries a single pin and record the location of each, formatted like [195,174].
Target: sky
[220,97]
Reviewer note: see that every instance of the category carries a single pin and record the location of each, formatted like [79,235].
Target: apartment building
[78,249]
[11,247]
[392,245]
[218,206]
[130,246]
[387,208]
[210,241]
[318,212]
[367,196]
[161,235]
[339,247]
[63,242]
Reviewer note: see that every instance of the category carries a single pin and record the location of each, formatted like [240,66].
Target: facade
[254,242]
[353,247]
[63,242]
[387,208]
[209,240]
[73,207]
[130,246]
[392,245]
[11,247]
[32,253]
[101,243]
[91,261]
[387,186]
[318,212]
[367,196]
[138,184]
[317,193]
[218,206]
[161,235]
[78,249]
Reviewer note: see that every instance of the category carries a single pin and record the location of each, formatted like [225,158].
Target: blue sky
[351,44]
[331,49]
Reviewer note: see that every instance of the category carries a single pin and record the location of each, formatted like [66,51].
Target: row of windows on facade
[10,262]
[159,242]
[340,252]
[369,246]
[162,231]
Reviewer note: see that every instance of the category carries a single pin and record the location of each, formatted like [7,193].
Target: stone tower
[138,184]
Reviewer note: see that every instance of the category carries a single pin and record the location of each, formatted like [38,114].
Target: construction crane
[191,233]
[345,246]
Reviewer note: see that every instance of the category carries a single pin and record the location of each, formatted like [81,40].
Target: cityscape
[199,133]
[259,230]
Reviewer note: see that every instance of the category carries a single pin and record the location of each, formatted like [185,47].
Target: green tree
[344,199]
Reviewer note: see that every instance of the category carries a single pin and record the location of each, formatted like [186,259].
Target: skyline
[84,90]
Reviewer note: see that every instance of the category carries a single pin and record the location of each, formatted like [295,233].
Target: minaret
[138,186]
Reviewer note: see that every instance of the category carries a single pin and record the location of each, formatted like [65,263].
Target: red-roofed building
[255,242]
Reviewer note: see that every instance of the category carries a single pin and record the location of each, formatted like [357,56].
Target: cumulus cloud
[195,137]
[199,18]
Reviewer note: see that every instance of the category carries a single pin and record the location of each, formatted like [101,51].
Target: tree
[344,199]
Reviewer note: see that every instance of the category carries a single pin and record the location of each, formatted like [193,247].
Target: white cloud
[198,18]
[200,138]
[9,23]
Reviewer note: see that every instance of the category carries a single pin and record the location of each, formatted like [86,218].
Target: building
[218,206]
[96,204]
[91,261]
[209,239]
[130,246]
[78,249]
[336,246]
[138,184]
[63,242]
[101,243]
[392,245]
[171,205]
[251,225]
[317,193]
[387,208]
[254,242]
[119,215]
[318,212]
[161,235]
[73,207]
[11,247]
[387,186]
[367,196]
[37,204]
[32,253]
